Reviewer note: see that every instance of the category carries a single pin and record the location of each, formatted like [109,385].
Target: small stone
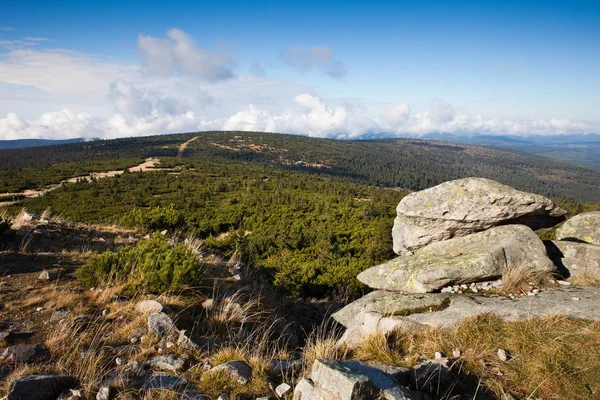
[44,276]
[282,389]
[169,363]
[104,393]
[474,290]
[456,353]
[575,298]
[119,361]
[105,312]
[38,309]
[148,306]
[564,283]
[438,355]
[455,253]
[208,304]
[535,291]
[503,355]
[224,396]
[238,370]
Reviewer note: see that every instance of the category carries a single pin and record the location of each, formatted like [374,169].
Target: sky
[339,69]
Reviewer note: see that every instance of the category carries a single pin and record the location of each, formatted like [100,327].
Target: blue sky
[335,69]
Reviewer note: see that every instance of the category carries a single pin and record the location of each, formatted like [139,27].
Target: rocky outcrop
[476,257]
[583,227]
[574,259]
[387,311]
[464,206]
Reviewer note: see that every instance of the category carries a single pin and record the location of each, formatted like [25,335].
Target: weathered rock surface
[161,326]
[583,227]
[170,363]
[386,311]
[40,387]
[334,380]
[464,206]
[26,353]
[477,257]
[575,259]
[238,370]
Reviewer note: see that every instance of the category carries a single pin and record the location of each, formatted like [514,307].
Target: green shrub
[150,266]
[157,218]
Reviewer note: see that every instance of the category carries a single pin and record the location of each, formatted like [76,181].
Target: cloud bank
[178,86]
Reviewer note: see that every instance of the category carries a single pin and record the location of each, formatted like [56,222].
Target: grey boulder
[25,354]
[464,206]
[352,380]
[575,259]
[474,258]
[583,227]
[40,387]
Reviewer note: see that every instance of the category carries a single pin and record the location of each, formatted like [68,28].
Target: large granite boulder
[382,311]
[461,207]
[477,257]
[574,259]
[581,228]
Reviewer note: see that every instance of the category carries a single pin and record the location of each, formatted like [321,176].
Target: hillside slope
[407,163]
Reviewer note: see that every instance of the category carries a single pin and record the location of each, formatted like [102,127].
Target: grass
[551,358]
[523,277]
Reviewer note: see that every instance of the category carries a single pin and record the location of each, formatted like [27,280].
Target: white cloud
[110,98]
[62,124]
[320,57]
[179,53]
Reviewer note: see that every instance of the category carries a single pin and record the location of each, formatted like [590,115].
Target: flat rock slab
[575,259]
[474,258]
[464,206]
[386,311]
[583,227]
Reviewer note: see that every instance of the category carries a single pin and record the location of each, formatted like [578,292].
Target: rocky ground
[476,306]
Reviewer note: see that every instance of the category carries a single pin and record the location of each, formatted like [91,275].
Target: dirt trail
[184,145]
[147,165]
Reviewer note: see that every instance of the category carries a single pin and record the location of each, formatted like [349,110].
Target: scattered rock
[238,370]
[161,326]
[163,381]
[282,389]
[503,355]
[485,255]
[148,306]
[464,206]
[208,304]
[456,353]
[170,363]
[583,227]
[40,387]
[105,393]
[224,396]
[26,353]
[46,276]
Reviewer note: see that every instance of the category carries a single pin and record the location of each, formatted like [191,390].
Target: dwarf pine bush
[152,265]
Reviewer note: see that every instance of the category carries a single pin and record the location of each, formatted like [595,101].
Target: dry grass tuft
[584,280]
[522,277]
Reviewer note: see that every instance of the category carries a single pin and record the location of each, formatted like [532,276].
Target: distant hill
[583,149]
[413,164]
[23,143]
